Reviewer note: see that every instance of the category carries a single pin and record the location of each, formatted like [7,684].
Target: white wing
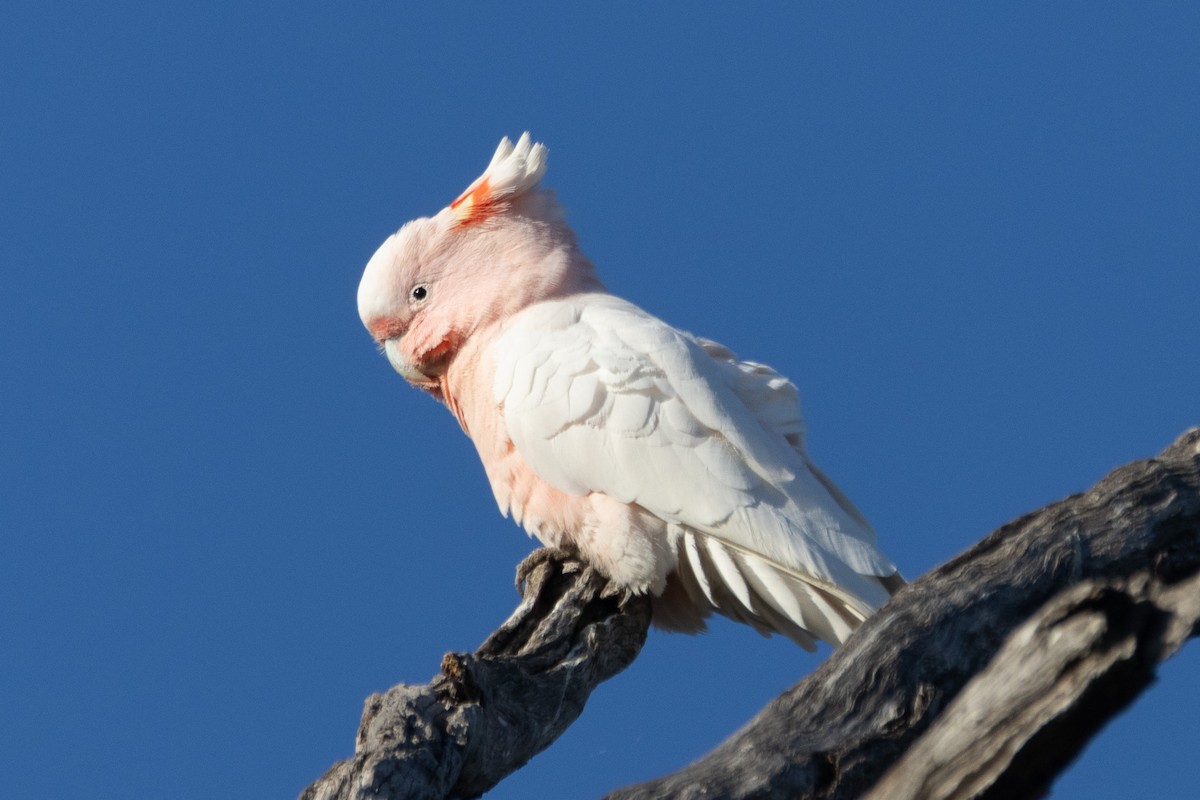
[599,396]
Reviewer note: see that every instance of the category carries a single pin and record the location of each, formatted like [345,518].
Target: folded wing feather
[599,396]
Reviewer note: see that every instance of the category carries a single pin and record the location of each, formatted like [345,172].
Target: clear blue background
[970,236]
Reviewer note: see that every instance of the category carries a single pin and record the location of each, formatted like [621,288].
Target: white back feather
[682,429]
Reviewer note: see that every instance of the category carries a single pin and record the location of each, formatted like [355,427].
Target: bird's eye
[419,292]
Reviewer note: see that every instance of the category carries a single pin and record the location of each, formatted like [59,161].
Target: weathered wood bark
[484,715]
[1079,573]
[1055,682]
[981,679]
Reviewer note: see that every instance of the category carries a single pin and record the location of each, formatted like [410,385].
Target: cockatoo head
[502,245]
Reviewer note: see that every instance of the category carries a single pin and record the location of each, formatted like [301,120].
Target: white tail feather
[728,571]
[696,562]
[715,575]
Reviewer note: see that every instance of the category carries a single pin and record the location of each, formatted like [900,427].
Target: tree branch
[484,715]
[1098,588]
[983,678]
[1056,681]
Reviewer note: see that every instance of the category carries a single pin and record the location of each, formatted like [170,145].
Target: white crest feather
[513,171]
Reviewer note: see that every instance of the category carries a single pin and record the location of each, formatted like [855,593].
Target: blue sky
[969,236]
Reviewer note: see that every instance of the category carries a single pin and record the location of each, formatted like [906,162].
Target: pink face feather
[498,247]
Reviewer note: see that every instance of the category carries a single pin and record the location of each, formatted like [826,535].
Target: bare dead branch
[982,679]
[485,714]
[1058,678]
[1109,576]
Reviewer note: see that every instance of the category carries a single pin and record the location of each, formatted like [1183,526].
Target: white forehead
[380,288]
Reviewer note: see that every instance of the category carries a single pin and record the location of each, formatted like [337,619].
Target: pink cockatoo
[668,464]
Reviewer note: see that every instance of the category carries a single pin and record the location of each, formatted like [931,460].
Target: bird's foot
[613,589]
[569,562]
[566,560]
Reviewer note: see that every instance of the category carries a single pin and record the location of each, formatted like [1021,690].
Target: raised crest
[513,171]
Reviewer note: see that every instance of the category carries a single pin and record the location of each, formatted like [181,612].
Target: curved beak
[410,372]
